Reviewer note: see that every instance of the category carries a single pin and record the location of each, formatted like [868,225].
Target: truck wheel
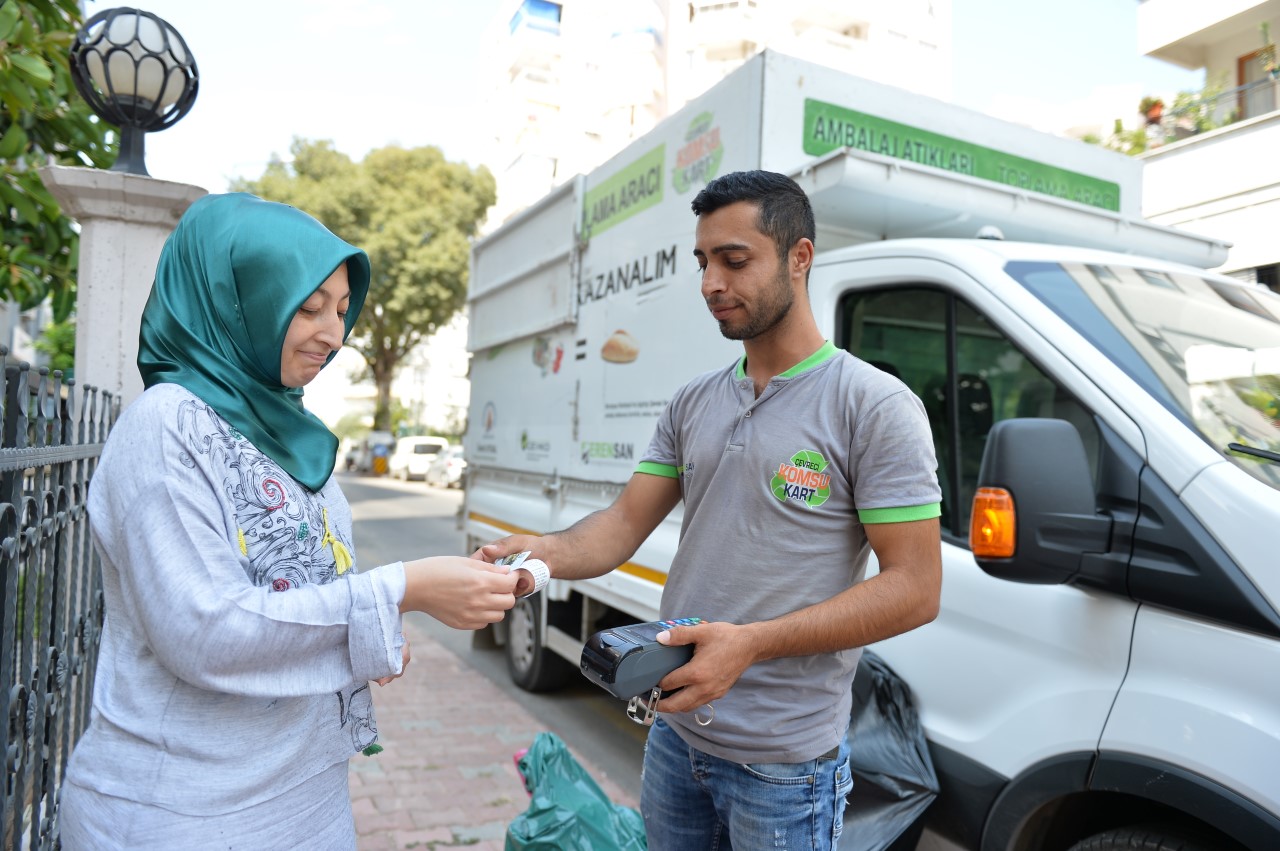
[532,667]
[1139,839]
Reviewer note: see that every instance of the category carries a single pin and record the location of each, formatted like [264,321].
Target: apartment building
[1214,168]
[575,80]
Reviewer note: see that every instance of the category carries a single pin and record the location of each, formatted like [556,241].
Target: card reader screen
[644,632]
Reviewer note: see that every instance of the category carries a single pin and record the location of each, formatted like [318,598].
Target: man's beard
[768,313]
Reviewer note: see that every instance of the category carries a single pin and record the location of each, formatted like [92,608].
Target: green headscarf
[230,279]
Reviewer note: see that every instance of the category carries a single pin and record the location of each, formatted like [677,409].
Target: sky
[380,72]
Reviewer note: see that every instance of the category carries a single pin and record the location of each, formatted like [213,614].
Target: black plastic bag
[567,810]
[893,777]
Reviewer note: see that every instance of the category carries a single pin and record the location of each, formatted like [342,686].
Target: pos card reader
[628,662]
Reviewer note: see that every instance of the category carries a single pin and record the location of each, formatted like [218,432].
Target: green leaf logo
[803,479]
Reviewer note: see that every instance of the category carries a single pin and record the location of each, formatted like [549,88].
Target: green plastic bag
[567,810]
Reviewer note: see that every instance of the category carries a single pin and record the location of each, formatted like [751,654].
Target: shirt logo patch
[803,479]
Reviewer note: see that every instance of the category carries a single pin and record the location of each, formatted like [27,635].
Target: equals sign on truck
[580,349]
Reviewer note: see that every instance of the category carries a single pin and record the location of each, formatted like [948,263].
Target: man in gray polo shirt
[793,463]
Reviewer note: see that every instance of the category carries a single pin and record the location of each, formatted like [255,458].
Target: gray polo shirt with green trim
[776,491]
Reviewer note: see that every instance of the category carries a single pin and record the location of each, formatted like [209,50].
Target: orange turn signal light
[993,524]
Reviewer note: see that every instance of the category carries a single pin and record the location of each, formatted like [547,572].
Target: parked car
[370,454]
[447,468]
[348,454]
[413,455]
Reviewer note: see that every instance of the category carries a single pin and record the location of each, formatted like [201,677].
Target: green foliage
[1197,111]
[1192,112]
[42,120]
[351,426]
[1127,141]
[455,425]
[59,342]
[403,421]
[415,213]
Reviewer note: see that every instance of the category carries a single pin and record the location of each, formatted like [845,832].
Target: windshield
[1207,349]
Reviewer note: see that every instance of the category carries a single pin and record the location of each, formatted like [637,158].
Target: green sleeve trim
[901,514]
[664,470]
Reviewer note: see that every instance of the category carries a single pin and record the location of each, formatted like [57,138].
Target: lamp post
[135,71]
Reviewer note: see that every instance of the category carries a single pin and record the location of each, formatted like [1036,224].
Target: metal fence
[1213,108]
[51,595]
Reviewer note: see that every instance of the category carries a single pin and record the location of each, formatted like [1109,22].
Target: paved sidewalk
[445,777]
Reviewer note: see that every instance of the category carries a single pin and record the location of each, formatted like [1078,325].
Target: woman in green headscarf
[240,639]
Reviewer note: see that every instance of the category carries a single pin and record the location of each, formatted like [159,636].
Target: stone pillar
[124,221]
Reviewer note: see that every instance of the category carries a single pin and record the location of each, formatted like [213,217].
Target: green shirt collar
[824,353]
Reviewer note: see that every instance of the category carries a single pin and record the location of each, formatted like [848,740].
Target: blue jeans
[691,800]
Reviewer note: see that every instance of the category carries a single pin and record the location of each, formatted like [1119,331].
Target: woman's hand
[404,665]
[459,592]
[511,545]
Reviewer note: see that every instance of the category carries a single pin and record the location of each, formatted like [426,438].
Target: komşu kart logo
[804,479]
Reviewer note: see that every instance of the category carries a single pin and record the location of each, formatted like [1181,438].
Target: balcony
[1194,114]
[534,38]
[1191,33]
[1214,171]
[723,29]
[536,16]
[849,17]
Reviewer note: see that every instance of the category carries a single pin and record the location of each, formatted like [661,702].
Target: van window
[967,373]
[1206,348]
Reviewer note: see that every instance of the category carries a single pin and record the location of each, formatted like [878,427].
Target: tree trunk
[383,372]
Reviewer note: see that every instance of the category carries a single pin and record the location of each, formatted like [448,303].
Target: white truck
[1117,667]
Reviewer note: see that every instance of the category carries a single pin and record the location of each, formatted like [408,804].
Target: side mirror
[1049,518]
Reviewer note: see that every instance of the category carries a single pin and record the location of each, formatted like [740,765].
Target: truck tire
[532,667]
[1139,839]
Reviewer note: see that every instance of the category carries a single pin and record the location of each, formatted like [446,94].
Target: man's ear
[801,256]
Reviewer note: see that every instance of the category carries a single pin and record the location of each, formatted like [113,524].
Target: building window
[1257,93]
[966,371]
[542,15]
[1269,276]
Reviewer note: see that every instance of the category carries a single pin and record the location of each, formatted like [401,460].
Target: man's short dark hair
[785,213]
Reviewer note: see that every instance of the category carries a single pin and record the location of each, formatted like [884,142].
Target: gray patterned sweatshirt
[239,638]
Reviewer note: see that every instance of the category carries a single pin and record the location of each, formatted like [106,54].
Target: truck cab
[1099,678]
[1102,672]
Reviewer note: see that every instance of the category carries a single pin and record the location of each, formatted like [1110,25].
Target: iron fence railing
[1210,110]
[51,593]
